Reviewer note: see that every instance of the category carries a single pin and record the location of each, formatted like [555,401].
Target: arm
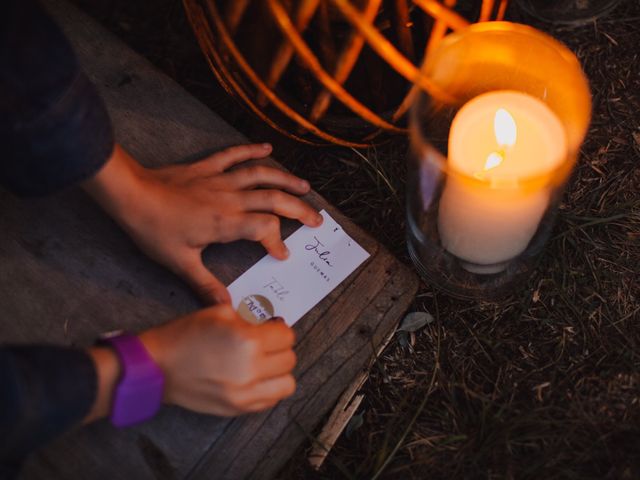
[213,362]
[56,132]
[45,390]
[173,213]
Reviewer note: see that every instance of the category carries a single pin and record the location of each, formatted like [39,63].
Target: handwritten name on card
[320,259]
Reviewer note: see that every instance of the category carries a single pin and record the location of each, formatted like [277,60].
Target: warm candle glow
[489,223]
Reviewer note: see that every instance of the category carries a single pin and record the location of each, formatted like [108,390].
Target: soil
[544,384]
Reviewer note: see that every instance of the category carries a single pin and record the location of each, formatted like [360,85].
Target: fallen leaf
[354,424]
[414,321]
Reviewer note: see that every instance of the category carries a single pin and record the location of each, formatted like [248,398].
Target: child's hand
[173,213]
[214,362]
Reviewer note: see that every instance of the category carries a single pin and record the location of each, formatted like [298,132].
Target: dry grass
[545,384]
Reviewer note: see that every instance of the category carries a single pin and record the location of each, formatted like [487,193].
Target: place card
[320,259]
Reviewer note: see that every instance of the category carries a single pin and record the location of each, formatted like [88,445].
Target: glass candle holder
[573,12]
[493,143]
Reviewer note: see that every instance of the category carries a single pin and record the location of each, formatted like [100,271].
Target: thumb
[204,283]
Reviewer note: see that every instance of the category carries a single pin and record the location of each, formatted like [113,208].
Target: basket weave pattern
[328,71]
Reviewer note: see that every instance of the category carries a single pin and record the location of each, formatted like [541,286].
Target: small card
[320,259]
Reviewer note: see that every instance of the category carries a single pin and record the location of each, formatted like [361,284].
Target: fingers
[277,364]
[204,283]
[261,176]
[221,161]
[263,394]
[265,229]
[273,389]
[280,203]
[259,227]
[226,401]
[275,336]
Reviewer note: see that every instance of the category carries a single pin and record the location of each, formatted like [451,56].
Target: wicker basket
[329,71]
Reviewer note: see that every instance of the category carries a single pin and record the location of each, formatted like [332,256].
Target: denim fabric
[54,128]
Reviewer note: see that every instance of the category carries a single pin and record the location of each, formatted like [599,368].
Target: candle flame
[506,131]
[505,128]
[493,160]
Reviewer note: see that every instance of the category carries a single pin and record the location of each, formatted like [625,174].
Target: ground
[545,384]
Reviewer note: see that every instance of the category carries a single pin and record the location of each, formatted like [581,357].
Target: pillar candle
[489,211]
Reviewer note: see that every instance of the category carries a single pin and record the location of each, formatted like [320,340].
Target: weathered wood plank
[260,443]
[68,273]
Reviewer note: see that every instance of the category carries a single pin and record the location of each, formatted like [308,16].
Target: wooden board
[68,273]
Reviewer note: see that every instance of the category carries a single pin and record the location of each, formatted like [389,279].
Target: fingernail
[319,219]
[266,146]
[286,252]
[304,185]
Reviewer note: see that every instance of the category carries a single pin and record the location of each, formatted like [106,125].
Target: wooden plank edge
[306,416]
[344,410]
[243,425]
[305,422]
[269,466]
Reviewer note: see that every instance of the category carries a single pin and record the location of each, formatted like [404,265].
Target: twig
[346,407]
[380,173]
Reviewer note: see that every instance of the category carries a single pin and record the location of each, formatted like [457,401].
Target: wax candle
[488,212]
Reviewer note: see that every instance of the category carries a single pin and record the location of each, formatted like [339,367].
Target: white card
[320,259]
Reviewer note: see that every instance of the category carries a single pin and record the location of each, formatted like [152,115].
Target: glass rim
[517,28]
[553,177]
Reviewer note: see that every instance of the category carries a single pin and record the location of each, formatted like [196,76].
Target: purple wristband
[138,395]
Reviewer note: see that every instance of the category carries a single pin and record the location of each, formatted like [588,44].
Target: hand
[173,213]
[214,362]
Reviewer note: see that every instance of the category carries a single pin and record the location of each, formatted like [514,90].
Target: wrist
[130,383]
[117,186]
[158,351]
[108,369]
